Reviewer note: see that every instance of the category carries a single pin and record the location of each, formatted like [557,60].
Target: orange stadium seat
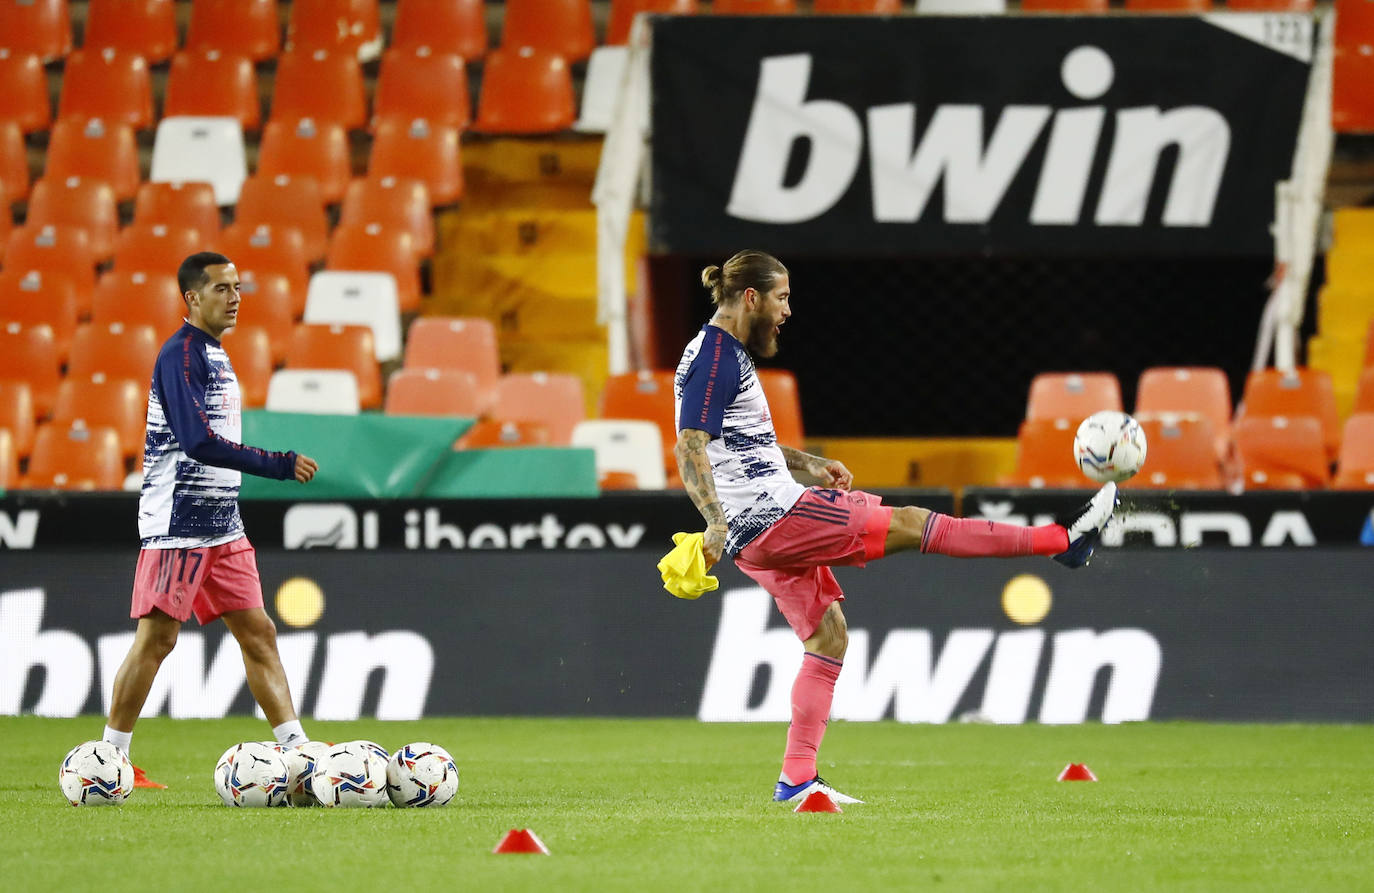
[525,91]
[623,14]
[754,7]
[1203,390]
[14,163]
[266,301]
[320,85]
[53,249]
[178,205]
[31,299]
[29,354]
[17,413]
[1352,102]
[75,458]
[445,26]
[449,392]
[115,350]
[1182,454]
[784,405]
[55,286]
[548,398]
[241,27]
[155,249]
[1174,6]
[646,395]
[464,343]
[9,460]
[857,7]
[118,403]
[145,27]
[1306,392]
[286,201]
[1072,395]
[24,91]
[213,84]
[267,249]
[1076,6]
[77,202]
[394,203]
[6,222]
[339,347]
[375,248]
[423,84]
[1044,455]
[1354,24]
[139,299]
[250,353]
[41,27]
[308,148]
[107,84]
[96,149]
[1355,468]
[563,27]
[344,26]
[489,433]
[1364,391]
[1281,452]
[417,150]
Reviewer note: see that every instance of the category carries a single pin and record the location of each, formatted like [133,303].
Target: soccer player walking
[195,557]
[787,536]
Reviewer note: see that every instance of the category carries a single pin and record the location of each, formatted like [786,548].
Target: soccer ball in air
[421,774]
[252,774]
[96,773]
[351,774]
[1109,446]
[300,768]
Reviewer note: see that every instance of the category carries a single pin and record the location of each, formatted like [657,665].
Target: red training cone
[817,801]
[522,841]
[1077,772]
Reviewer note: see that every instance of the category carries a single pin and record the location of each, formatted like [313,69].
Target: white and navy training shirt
[716,390]
[192,458]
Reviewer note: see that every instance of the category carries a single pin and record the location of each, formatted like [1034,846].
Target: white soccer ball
[300,768]
[421,774]
[350,774]
[96,773]
[251,774]
[1109,446]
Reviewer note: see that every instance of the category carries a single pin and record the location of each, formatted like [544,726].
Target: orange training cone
[817,801]
[521,841]
[1077,772]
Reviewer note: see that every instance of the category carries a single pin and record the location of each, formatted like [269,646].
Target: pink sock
[977,538]
[811,696]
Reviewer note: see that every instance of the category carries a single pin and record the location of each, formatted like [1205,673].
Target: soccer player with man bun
[195,557]
[787,536]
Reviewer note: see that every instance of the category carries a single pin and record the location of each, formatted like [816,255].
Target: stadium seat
[553,399]
[623,14]
[40,27]
[1352,102]
[109,85]
[317,391]
[9,460]
[308,148]
[445,392]
[488,433]
[58,287]
[178,205]
[1182,454]
[445,26]
[418,151]
[286,201]
[961,7]
[6,222]
[1281,452]
[1072,395]
[1174,6]
[33,298]
[1306,392]
[24,91]
[53,249]
[467,344]
[156,249]
[1354,24]
[754,7]
[29,354]
[77,202]
[75,458]
[17,414]
[239,27]
[267,249]
[349,348]
[118,403]
[1355,468]
[14,164]
[525,91]
[346,26]
[1364,390]
[601,90]
[857,7]
[266,300]
[784,405]
[358,298]
[97,150]
[147,28]
[374,248]
[211,84]
[1073,6]
[1269,5]
[1203,390]
[1044,456]
[646,395]
[250,353]
[140,298]
[420,83]
[626,446]
[401,204]
[563,27]
[116,350]
[319,85]
[191,149]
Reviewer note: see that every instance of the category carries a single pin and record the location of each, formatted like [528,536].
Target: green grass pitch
[681,805]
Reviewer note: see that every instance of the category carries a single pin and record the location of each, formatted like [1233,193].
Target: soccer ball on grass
[252,774]
[421,774]
[300,769]
[1109,446]
[96,773]
[351,774]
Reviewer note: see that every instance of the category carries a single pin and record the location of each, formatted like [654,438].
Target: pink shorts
[791,560]
[208,582]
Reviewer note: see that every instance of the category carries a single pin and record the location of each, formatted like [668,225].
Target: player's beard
[762,341]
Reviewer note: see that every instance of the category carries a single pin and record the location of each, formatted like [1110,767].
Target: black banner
[1010,135]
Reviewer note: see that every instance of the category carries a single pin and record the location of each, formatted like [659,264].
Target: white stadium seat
[623,445]
[208,150]
[961,7]
[358,298]
[318,391]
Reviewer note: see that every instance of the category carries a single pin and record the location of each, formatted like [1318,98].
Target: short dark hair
[191,274]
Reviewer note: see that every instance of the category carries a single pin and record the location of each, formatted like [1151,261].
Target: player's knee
[258,638]
[157,641]
[832,636]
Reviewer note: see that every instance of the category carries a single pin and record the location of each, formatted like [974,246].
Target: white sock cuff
[122,740]
[290,733]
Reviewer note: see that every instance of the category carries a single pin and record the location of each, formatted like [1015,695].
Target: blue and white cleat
[1085,526]
[795,793]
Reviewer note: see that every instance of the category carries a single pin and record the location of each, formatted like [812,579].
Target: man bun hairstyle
[191,275]
[747,269]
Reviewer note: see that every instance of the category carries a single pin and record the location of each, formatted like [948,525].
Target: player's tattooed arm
[828,472]
[695,468]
